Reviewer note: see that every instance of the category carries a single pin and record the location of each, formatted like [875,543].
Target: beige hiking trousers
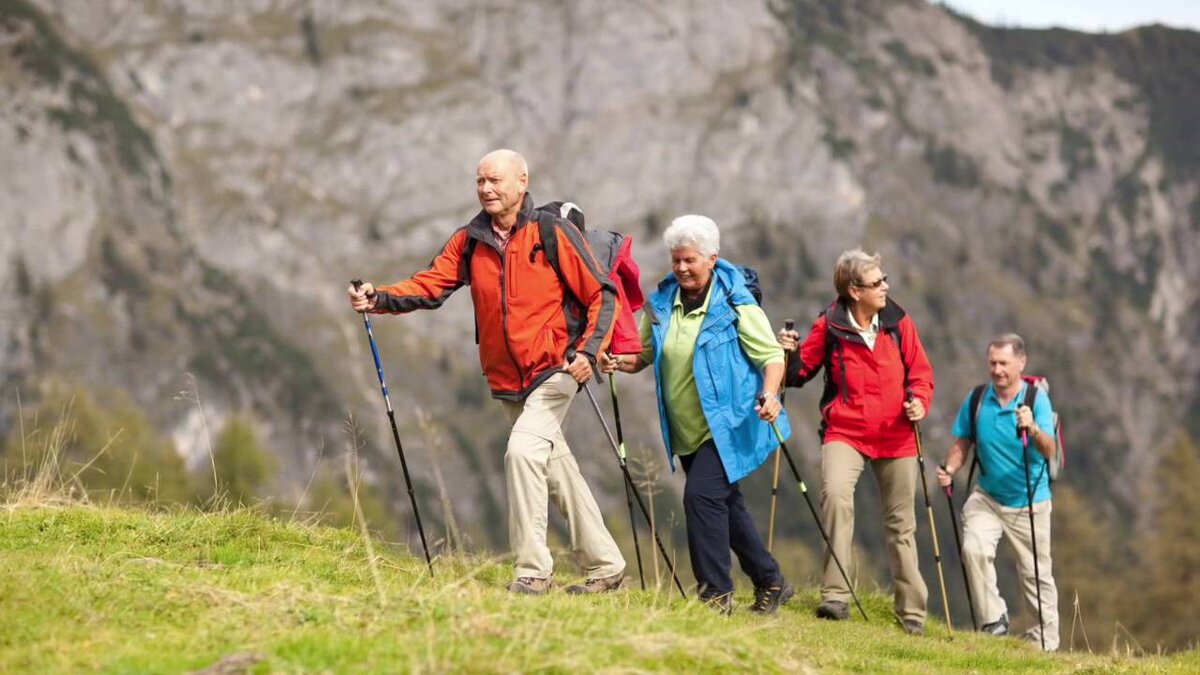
[984,521]
[841,467]
[539,466]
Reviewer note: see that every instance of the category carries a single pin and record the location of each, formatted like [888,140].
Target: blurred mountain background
[187,187]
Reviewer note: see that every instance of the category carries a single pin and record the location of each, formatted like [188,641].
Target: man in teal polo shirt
[999,504]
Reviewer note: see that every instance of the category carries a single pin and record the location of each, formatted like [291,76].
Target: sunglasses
[874,284]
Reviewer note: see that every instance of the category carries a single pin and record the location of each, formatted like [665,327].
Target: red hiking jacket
[863,403]
[519,311]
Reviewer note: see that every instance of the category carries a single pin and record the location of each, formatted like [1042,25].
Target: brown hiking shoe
[834,610]
[530,586]
[598,585]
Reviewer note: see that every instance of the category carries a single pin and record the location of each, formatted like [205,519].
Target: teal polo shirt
[1002,472]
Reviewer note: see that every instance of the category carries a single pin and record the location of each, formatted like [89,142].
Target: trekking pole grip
[357,284]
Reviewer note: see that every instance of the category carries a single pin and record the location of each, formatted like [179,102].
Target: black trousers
[717,521]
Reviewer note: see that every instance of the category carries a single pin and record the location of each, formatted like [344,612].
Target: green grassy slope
[86,588]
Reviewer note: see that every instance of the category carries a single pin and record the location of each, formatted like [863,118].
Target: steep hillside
[103,284]
[87,589]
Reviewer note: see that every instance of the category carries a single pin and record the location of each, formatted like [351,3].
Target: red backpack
[613,251]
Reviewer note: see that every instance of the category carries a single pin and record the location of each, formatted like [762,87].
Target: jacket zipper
[504,316]
[842,357]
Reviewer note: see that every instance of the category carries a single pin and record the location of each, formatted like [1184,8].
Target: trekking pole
[637,548]
[629,484]
[958,542]
[804,492]
[788,324]
[357,283]
[937,553]
[1037,577]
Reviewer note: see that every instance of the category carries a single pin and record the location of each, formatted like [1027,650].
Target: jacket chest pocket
[513,272]
[532,276]
[720,354]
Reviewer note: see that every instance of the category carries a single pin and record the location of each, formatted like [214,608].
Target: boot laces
[763,596]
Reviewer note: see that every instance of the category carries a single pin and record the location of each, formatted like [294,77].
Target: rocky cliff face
[188,187]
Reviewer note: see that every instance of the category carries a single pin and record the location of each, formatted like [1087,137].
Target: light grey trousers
[984,522]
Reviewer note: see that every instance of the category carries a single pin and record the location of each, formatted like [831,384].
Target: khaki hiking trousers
[538,468]
[841,467]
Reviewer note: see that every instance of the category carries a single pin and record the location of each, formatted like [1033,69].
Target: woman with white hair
[872,358]
[714,359]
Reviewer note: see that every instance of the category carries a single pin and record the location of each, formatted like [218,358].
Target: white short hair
[698,232]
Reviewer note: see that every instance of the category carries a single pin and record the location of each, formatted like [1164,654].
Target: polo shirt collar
[703,308]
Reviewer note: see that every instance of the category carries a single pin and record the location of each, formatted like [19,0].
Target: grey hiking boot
[913,627]
[834,610]
[1034,637]
[530,586]
[598,585]
[998,627]
[768,598]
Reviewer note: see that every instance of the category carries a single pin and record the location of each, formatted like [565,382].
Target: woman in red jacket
[872,355]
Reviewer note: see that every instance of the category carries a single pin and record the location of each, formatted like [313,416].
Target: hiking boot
[530,586]
[834,610]
[767,599]
[913,627]
[998,627]
[598,585]
[722,603]
[1033,637]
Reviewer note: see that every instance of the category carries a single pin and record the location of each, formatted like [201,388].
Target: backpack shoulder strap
[548,231]
[832,388]
[973,406]
[549,235]
[1031,390]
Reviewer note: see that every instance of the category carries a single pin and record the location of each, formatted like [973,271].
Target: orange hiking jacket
[519,312]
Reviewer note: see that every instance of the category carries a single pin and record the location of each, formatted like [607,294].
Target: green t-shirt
[685,417]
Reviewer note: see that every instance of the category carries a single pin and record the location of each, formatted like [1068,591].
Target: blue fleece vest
[726,380]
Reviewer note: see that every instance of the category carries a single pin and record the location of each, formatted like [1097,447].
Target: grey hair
[698,232]
[849,270]
[1010,340]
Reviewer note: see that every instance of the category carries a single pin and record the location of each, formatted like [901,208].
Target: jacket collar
[837,315]
[480,226]
[727,282]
